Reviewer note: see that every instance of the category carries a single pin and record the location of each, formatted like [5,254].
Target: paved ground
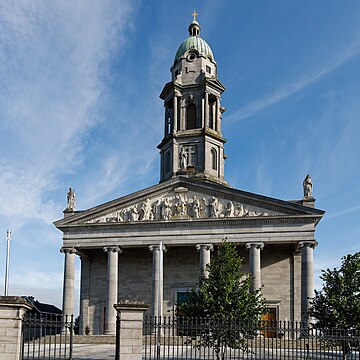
[93,352]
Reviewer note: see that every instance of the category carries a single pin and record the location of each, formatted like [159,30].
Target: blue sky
[79,106]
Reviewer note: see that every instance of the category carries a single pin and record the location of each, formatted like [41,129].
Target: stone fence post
[12,309]
[129,330]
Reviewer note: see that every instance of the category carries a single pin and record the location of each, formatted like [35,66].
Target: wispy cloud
[295,86]
[342,213]
[52,58]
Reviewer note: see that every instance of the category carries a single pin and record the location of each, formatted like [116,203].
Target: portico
[134,275]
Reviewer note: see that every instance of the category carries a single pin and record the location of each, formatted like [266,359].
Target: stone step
[94,339]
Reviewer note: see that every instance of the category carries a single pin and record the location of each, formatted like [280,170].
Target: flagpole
[7,267]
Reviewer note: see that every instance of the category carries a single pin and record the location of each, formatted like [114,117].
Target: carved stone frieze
[181,205]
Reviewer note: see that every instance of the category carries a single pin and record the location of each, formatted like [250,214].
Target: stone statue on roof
[308,187]
[71,200]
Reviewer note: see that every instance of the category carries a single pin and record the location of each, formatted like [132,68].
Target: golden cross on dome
[194,14]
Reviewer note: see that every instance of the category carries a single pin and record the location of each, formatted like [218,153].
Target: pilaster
[84,293]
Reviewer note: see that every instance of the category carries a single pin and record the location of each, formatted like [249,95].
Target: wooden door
[269,324]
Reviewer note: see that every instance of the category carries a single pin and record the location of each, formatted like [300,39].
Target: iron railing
[190,338]
[47,337]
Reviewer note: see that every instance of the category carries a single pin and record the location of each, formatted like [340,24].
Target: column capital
[68,250]
[157,247]
[257,245]
[311,243]
[204,246]
[113,249]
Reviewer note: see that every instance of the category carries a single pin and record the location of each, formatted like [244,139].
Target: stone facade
[187,215]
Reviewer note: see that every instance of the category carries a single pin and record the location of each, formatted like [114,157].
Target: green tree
[336,307]
[223,298]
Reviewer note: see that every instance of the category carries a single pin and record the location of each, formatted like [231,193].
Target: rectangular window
[208,69]
[181,297]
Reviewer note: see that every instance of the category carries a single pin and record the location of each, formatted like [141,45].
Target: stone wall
[279,274]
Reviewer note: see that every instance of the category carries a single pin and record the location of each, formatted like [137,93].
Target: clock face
[191,56]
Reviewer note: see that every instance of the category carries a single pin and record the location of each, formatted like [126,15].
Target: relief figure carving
[230,209]
[214,207]
[145,210]
[134,214]
[196,207]
[166,209]
[157,210]
[180,205]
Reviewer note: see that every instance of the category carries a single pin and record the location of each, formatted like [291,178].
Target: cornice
[193,223]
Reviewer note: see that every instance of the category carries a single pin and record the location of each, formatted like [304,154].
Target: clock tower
[193,145]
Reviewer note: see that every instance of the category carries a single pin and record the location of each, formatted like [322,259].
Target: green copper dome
[194,42]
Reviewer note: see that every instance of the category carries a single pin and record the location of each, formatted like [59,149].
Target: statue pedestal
[308,201]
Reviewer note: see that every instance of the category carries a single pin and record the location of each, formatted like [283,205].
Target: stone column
[182,117]
[206,109]
[213,114]
[307,277]
[157,283]
[218,114]
[202,113]
[12,309]
[69,280]
[255,263]
[111,288]
[204,250]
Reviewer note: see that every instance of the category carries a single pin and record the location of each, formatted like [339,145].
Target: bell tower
[193,145]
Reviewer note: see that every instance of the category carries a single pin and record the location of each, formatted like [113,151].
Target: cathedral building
[152,245]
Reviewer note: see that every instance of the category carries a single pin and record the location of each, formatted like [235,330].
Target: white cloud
[52,65]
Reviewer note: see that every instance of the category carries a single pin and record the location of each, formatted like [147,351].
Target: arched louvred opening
[214,159]
[167,162]
[191,116]
[169,118]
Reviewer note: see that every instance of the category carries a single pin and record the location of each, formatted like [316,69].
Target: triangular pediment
[186,199]
[216,82]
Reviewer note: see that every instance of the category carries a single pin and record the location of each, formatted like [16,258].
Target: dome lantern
[194,27]
[195,42]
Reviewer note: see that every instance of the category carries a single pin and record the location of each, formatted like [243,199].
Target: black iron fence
[47,337]
[190,338]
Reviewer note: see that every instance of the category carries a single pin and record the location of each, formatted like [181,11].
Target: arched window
[214,159]
[167,162]
[191,116]
[168,118]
